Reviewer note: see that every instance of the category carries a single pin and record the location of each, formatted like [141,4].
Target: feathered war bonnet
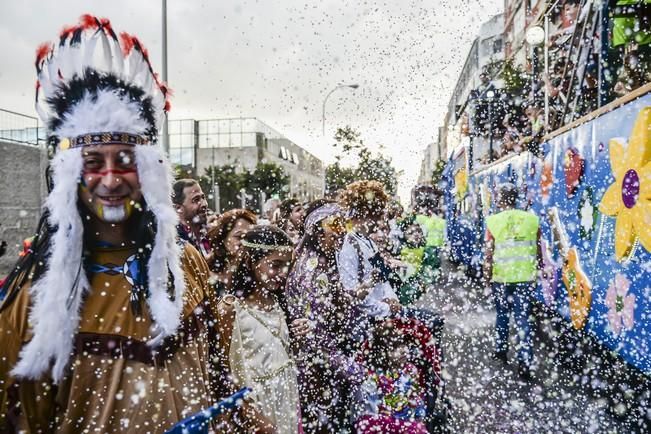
[94,88]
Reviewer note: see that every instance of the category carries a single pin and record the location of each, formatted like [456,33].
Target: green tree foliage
[369,166]
[514,77]
[378,168]
[269,178]
[229,181]
[338,177]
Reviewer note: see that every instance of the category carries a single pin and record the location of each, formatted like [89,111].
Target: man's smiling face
[110,187]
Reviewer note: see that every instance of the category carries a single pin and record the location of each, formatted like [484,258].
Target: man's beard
[114,214]
[199,219]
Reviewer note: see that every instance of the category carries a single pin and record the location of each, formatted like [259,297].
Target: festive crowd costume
[260,358]
[92,342]
[391,402]
[326,370]
[202,244]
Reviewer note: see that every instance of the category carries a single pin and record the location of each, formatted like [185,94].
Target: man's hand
[397,263]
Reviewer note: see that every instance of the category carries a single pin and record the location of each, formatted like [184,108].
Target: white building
[244,142]
[488,47]
[433,152]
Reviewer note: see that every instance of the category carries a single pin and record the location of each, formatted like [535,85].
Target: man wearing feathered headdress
[105,323]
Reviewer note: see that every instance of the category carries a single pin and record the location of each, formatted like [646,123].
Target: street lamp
[535,36]
[352,86]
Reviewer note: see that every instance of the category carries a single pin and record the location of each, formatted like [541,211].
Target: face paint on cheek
[128,208]
[109,171]
[99,210]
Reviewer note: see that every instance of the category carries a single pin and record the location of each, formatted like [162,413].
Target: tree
[229,181]
[338,177]
[369,166]
[348,138]
[514,78]
[269,178]
[183,171]
[377,168]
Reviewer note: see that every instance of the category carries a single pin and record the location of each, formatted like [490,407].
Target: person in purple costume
[327,369]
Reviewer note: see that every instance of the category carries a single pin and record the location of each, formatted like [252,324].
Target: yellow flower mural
[461,183]
[579,289]
[628,199]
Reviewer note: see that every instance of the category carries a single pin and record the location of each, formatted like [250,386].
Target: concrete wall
[22,191]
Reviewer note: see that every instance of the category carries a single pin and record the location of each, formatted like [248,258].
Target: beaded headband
[89,139]
[266,246]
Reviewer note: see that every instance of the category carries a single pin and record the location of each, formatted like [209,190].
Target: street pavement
[486,395]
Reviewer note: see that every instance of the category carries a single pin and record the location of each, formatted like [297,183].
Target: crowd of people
[310,305]
[320,320]
[313,300]
[135,306]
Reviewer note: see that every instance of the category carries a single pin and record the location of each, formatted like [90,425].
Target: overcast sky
[276,60]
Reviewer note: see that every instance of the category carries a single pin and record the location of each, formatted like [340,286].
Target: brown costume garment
[115,383]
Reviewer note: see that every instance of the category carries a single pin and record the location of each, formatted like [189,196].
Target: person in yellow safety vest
[412,254]
[426,204]
[512,261]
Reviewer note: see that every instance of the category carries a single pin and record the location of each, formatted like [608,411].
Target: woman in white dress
[254,336]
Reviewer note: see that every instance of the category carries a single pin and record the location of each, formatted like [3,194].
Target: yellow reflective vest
[414,257]
[434,229]
[516,234]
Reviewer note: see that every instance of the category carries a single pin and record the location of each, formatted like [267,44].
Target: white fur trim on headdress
[55,312]
[156,181]
[107,112]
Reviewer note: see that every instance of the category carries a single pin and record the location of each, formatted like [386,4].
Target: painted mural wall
[592,192]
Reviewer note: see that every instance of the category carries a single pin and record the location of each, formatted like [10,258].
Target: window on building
[236,126]
[235,140]
[181,139]
[248,139]
[497,45]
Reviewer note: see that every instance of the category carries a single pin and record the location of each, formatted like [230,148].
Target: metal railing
[20,128]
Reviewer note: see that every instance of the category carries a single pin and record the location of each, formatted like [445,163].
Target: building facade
[433,152]
[518,16]
[488,47]
[197,145]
